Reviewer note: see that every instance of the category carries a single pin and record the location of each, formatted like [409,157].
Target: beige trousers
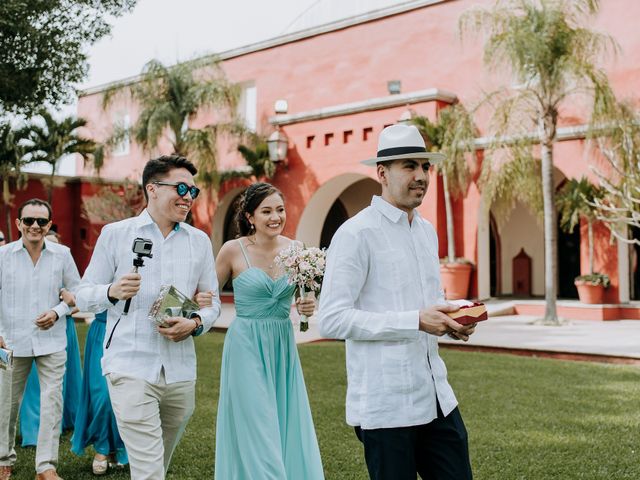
[12,383]
[151,419]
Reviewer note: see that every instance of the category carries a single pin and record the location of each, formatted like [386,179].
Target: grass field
[527,418]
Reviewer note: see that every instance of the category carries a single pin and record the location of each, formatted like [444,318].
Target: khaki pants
[151,419]
[12,382]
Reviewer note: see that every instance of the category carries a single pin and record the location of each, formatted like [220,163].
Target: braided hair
[249,202]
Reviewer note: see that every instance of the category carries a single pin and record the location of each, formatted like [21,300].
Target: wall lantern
[278,144]
[405,117]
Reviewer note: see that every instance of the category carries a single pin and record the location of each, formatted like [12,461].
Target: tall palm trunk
[51,180]
[590,233]
[451,246]
[213,208]
[6,197]
[550,224]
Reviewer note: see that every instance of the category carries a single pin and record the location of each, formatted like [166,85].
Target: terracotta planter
[590,293]
[455,279]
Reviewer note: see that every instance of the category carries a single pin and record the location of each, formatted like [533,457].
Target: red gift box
[470,314]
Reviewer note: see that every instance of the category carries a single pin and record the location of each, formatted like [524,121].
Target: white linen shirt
[183,259]
[27,290]
[380,272]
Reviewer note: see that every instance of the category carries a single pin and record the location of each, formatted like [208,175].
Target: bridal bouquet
[304,267]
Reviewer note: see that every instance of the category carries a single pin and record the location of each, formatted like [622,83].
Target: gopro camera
[142,247]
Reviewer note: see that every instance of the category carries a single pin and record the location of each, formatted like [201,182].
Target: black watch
[198,330]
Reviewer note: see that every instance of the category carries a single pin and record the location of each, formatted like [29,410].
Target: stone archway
[334,202]
[223,229]
[522,230]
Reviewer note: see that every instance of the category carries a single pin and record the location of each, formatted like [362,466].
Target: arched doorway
[337,216]
[634,265]
[337,200]
[354,198]
[230,227]
[568,262]
[224,225]
[495,264]
[522,230]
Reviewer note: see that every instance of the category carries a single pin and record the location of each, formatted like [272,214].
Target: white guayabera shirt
[185,260]
[380,272]
[27,290]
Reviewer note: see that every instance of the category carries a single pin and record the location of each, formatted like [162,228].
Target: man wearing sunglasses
[151,371]
[32,272]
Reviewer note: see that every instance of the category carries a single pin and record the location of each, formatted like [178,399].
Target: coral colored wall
[76,232]
[63,207]
[422,49]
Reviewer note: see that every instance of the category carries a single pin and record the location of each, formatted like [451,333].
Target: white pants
[151,419]
[12,382]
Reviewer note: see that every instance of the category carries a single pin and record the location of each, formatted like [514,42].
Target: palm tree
[453,135]
[618,140]
[169,97]
[255,151]
[575,201]
[50,140]
[11,162]
[553,59]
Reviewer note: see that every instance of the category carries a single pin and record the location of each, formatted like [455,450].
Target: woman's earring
[252,229]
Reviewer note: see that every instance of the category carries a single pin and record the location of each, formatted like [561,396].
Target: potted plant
[575,201]
[453,135]
[591,287]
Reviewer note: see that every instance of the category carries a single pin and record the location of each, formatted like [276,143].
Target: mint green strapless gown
[264,429]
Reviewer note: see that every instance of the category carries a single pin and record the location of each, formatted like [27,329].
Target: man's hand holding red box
[468,314]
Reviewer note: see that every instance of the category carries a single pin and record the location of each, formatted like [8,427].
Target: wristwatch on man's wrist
[198,330]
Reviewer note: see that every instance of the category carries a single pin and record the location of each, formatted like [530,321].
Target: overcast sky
[173,30]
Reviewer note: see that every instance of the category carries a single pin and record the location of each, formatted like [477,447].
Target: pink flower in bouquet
[304,267]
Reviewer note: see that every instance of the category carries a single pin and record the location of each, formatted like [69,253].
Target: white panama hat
[398,142]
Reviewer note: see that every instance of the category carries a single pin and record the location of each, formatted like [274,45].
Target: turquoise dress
[264,428]
[71,383]
[95,421]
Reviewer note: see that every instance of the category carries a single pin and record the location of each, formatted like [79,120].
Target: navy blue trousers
[436,451]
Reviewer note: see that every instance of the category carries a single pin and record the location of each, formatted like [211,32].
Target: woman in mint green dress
[264,429]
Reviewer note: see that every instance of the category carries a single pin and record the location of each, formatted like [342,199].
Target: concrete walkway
[504,331]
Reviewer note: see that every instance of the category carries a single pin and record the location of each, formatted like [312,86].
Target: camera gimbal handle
[137,263]
[144,251]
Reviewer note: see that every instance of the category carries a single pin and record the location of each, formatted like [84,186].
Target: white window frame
[248,105]
[123,147]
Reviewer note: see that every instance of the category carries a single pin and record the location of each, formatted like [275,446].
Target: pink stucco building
[334,80]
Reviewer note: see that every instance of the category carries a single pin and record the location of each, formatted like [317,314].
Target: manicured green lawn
[527,418]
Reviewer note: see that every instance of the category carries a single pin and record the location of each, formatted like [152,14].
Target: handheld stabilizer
[142,248]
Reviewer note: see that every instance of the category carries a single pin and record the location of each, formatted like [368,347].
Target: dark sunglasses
[182,188]
[28,221]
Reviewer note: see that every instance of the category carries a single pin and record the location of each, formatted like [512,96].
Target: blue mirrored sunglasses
[182,188]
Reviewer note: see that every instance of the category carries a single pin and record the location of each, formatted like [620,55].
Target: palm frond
[453,134]
[575,200]
[510,176]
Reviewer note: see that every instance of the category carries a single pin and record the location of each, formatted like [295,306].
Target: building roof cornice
[389,101]
[575,132]
[288,38]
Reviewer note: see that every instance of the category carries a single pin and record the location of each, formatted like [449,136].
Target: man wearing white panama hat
[382,294]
